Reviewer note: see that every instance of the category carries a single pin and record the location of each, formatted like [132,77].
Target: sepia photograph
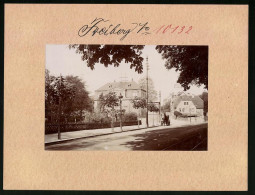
[126,97]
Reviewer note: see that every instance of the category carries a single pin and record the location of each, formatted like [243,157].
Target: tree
[65,97]
[81,102]
[111,55]
[152,93]
[204,97]
[57,93]
[153,108]
[191,61]
[109,101]
[139,102]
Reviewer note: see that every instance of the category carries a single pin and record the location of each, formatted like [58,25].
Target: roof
[197,101]
[121,85]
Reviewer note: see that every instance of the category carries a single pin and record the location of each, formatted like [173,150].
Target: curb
[67,140]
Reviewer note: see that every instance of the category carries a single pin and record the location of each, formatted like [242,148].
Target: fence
[68,127]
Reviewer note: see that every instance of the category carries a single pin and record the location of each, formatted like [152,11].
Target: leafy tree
[139,102]
[153,108]
[204,97]
[109,101]
[81,102]
[65,97]
[57,93]
[152,93]
[191,61]
[111,55]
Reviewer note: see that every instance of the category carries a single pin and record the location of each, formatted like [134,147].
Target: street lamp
[120,97]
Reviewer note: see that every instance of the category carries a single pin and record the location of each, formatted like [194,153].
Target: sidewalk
[53,138]
[66,136]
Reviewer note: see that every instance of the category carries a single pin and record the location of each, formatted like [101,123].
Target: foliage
[66,98]
[177,113]
[139,102]
[204,97]
[81,102]
[191,61]
[111,55]
[58,92]
[152,93]
[53,128]
[152,107]
[131,116]
[109,100]
[97,117]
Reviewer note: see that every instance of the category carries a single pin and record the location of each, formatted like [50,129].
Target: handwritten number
[175,29]
[168,26]
[189,30]
[181,30]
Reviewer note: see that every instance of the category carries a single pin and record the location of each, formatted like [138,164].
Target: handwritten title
[102,27]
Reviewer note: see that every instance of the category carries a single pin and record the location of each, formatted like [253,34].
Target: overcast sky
[60,59]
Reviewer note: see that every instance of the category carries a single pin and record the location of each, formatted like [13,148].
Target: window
[183,109]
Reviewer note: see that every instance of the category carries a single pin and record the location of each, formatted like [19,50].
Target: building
[187,104]
[128,89]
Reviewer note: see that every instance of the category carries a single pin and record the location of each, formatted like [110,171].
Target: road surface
[186,138]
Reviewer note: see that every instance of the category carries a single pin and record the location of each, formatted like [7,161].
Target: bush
[53,128]
[177,114]
[132,116]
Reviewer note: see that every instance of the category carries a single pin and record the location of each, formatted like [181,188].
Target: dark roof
[122,85]
[197,101]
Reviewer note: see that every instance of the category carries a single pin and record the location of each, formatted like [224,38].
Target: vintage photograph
[126,97]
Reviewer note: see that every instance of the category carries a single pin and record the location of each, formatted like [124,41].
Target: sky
[61,60]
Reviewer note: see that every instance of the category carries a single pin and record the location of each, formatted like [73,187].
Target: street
[193,137]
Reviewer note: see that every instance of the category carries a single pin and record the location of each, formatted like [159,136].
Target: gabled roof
[197,101]
[121,85]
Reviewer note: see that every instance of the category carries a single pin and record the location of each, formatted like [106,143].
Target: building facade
[187,104]
[128,89]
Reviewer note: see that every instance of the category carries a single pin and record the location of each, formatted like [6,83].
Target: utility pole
[147,79]
[59,109]
[120,97]
[160,107]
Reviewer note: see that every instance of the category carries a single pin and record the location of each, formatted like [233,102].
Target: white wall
[186,107]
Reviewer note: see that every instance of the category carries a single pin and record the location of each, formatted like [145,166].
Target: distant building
[128,89]
[187,104]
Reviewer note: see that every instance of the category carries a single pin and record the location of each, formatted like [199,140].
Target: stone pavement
[65,136]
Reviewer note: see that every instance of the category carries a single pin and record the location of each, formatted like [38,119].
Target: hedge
[53,128]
